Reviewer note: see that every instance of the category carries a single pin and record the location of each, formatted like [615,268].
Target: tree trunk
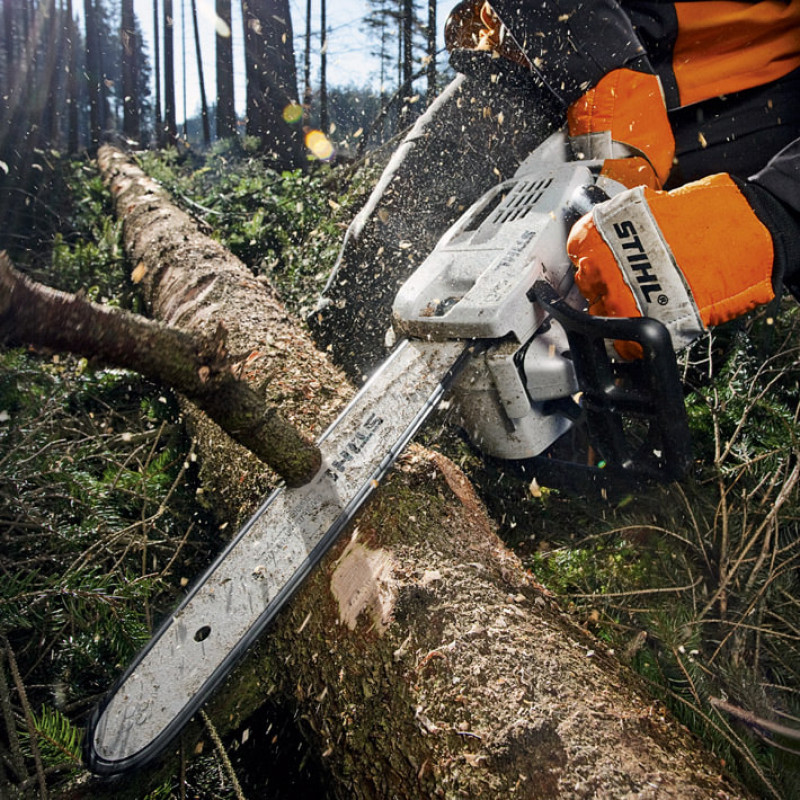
[170,119]
[49,104]
[430,67]
[425,661]
[226,109]
[93,73]
[130,68]
[158,135]
[272,81]
[308,92]
[8,40]
[406,87]
[324,124]
[73,132]
[200,77]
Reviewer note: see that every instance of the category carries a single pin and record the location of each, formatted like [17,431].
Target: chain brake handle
[634,411]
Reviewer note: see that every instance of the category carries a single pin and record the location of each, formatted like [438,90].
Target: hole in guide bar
[201,634]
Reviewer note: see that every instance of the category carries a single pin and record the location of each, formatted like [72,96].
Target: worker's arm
[588,56]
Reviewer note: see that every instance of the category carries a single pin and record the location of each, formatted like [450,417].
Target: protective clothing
[693,257]
[730,75]
[623,120]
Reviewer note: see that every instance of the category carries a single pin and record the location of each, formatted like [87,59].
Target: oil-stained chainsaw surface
[423,660]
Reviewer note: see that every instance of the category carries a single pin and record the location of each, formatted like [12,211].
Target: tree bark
[424,659]
[308,92]
[271,77]
[201,77]
[93,73]
[226,108]
[37,315]
[158,129]
[324,123]
[131,102]
[73,132]
[170,119]
[430,67]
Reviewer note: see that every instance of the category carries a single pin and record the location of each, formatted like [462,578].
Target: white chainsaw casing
[475,284]
[502,397]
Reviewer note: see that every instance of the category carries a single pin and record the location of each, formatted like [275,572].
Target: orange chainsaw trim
[631,106]
[725,46]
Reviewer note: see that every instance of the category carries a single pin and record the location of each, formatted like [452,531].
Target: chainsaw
[490,321]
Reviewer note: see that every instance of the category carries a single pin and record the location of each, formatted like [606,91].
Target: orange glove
[690,258]
[623,120]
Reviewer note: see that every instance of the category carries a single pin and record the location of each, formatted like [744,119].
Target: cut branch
[752,719]
[38,315]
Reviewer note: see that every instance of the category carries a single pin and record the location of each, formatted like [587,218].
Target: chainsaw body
[538,375]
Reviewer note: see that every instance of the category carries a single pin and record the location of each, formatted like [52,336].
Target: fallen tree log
[424,659]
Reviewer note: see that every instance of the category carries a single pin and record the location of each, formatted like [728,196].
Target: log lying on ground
[425,661]
[193,284]
[37,315]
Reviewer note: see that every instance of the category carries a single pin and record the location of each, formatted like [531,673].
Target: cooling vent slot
[521,201]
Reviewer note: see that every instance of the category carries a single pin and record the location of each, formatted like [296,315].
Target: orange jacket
[701,50]
[716,47]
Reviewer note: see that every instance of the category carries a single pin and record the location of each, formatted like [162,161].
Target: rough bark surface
[193,283]
[424,659]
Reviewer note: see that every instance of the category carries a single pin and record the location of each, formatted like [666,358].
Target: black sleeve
[780,181]
[774,194]
[572,44]
[781,176]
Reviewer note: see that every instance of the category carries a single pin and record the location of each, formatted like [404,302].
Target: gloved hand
[693,257]
[623,119]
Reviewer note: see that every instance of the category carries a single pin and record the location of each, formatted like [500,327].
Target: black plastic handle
[635,411]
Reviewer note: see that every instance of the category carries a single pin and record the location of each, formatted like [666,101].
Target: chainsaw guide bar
[199,643]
